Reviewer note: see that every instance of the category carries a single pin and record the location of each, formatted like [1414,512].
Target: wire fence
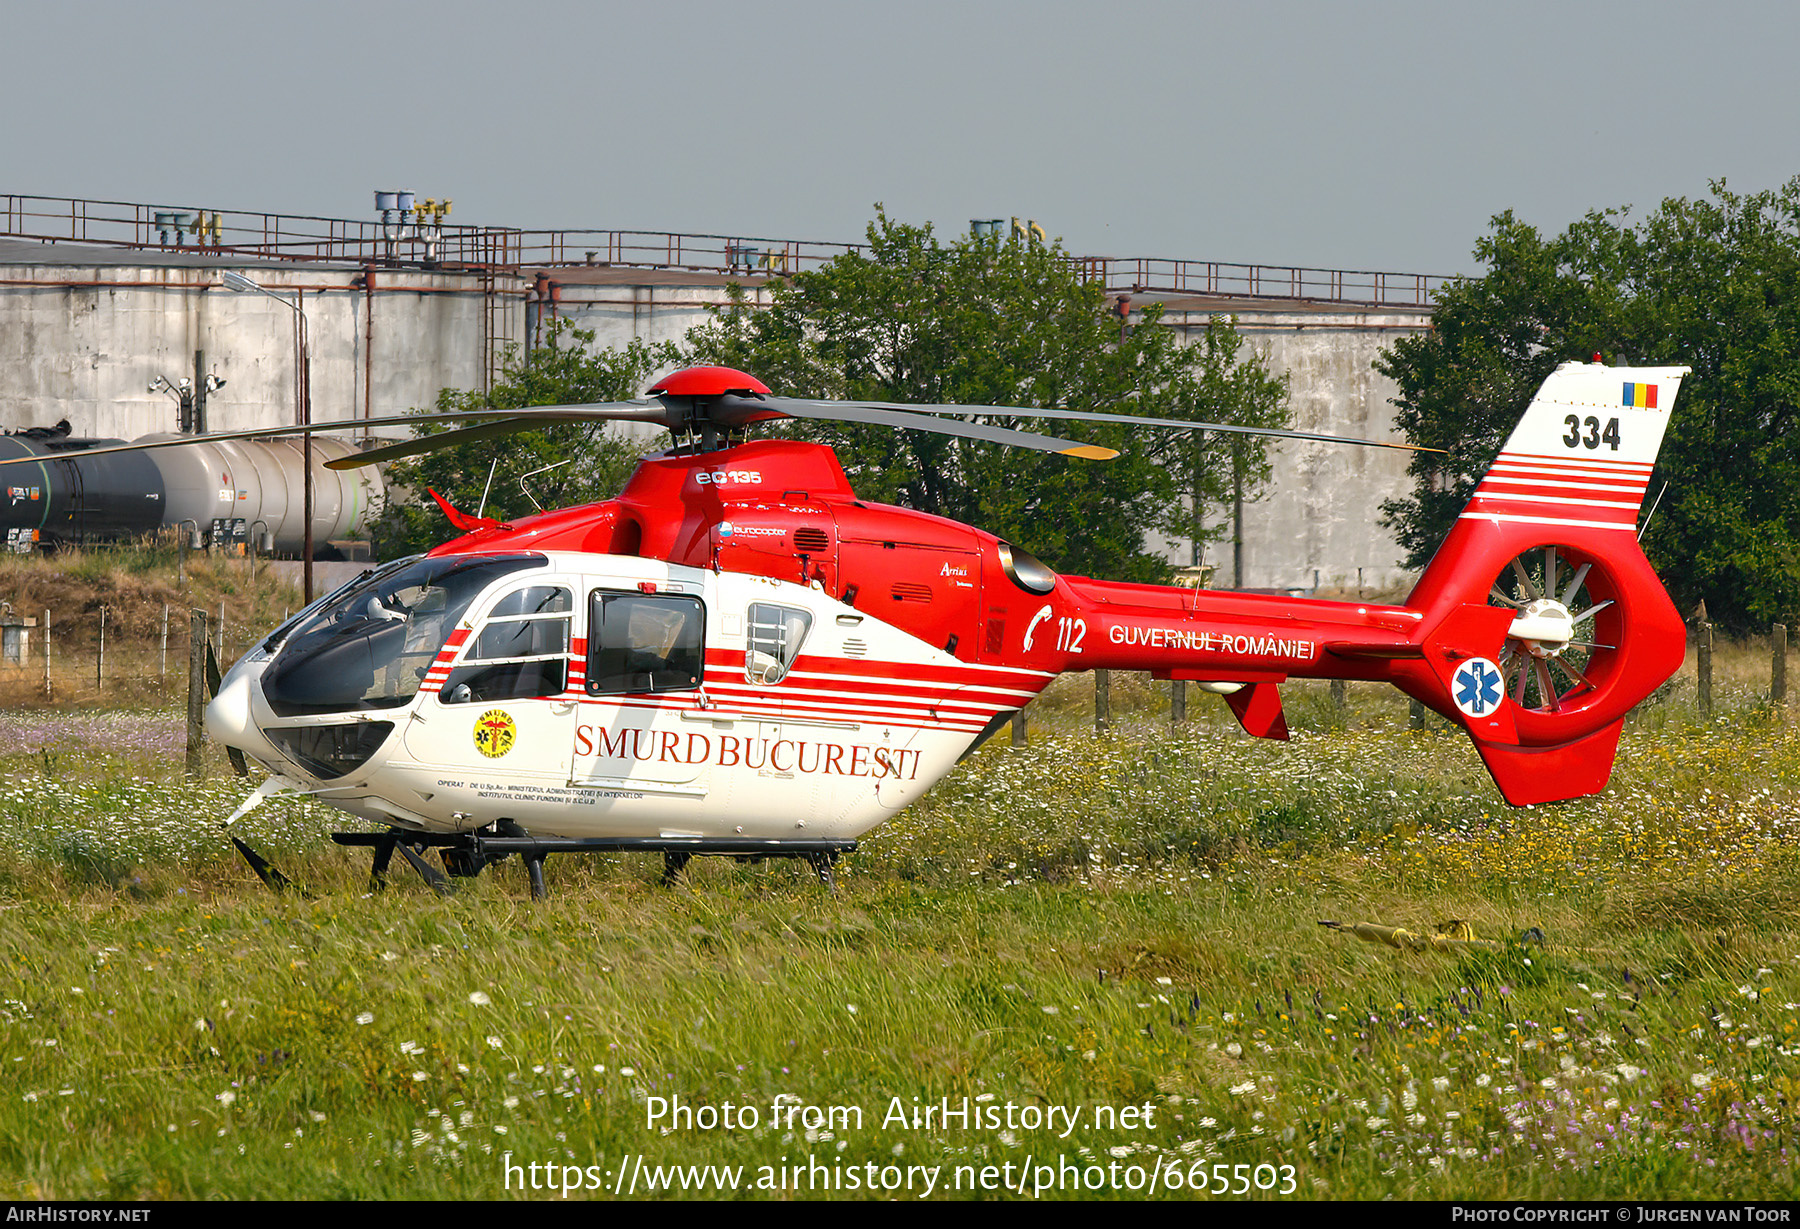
[85,669]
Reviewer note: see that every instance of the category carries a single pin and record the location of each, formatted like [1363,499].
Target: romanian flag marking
[1641,396]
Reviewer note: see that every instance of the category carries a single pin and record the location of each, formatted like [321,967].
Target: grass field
[1100,953]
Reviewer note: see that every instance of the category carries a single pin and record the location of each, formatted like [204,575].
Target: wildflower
[367,1017]
[226,1097]
[480,999]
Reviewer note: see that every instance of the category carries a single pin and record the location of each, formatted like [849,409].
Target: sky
[1374,135]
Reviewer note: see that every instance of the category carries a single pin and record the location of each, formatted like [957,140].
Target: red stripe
[863,710]
[1585,512]
[1594,463]
[1501,488]
[774,715]
[883,691]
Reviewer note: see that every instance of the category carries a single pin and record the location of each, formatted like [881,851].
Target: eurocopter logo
[1477,687]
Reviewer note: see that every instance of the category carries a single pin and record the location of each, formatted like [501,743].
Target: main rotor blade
[1177,424]
[625,411]
[446,439]
[894,416]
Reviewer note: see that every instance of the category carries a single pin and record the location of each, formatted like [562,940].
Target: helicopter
[738,656]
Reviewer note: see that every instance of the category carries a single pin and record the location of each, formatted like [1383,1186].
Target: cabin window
[644,642]
[521,653]
[775,636]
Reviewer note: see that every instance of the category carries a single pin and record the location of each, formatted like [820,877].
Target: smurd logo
[495,733]
[1477,687]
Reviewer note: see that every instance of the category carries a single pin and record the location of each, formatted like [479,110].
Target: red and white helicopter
[738,656]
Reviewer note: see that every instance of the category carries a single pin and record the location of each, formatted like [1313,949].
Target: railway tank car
[228,491]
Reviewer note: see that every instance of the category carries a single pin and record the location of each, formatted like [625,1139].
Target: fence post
[1178,702]
[100,657]
[1018,728]
[162,668]
[196,705]
[1340,694]
[1703,659]
[47,692]
[1416,720]
[1778,636]
[1102,699]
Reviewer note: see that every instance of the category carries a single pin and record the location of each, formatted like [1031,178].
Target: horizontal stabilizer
[1463,653]
[1396,650]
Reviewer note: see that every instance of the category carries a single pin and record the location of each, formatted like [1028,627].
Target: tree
[985,322]
[1711,284]
[591,460]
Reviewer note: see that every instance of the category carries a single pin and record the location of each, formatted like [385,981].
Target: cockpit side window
[775,636]
[641,642]
[522,652]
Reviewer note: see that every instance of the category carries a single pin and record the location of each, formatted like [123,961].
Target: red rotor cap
[709,382]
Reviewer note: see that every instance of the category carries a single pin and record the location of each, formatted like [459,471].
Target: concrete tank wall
[1319,519]
[84,341]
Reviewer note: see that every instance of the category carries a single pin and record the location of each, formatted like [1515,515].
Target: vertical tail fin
[1570,626]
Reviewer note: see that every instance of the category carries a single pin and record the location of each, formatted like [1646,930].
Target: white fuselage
[813,720]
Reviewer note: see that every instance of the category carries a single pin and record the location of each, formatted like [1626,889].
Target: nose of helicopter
[231,721]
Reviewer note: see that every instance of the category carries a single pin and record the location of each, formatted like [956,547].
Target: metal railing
[639,249]
[1233,281]
[303,238]
[271,236]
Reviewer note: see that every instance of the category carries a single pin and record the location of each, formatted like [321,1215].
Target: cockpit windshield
[369,648]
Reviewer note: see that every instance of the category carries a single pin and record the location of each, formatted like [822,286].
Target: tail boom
[1537,626]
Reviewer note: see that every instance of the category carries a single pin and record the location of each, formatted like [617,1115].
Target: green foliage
[565,370]
[1707,283]
[981,322]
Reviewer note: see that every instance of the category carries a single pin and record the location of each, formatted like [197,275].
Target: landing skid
[467,854]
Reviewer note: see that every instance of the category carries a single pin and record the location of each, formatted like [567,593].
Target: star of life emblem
[1477,687]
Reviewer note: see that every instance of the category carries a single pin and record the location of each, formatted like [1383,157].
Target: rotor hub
[1544,628]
